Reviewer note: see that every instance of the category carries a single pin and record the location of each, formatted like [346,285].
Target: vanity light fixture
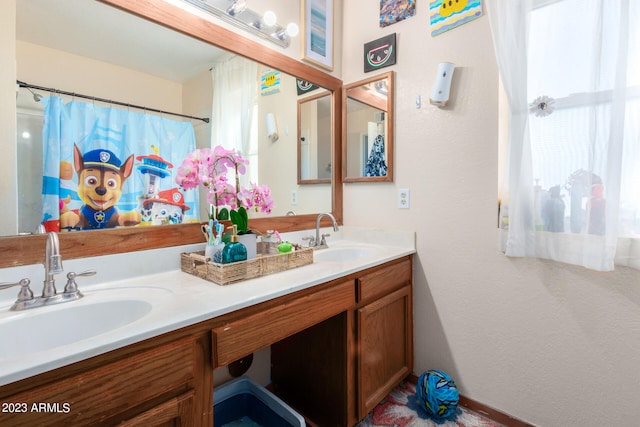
[269,18]
[237,7]
[238,14]
[292,30]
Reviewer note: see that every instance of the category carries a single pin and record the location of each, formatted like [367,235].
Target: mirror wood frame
[299,140]
[390,131]
[25,250]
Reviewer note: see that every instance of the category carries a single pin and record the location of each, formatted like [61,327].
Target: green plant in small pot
[210,168]
[238,217]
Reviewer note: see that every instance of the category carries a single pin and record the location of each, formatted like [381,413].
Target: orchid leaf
[241,219]
[223,215]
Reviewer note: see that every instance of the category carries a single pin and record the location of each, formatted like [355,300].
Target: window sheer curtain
[235,92]
[571,73]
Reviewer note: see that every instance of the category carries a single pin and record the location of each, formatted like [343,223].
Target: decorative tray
[267,261]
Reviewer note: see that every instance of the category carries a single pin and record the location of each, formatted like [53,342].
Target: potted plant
[210,168]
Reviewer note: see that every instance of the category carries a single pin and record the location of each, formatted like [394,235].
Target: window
[569,62]
[571,73]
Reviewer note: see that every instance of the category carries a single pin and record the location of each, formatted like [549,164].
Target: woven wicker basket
[267,261]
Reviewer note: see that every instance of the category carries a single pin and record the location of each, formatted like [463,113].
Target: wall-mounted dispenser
[272,128]
[442,86]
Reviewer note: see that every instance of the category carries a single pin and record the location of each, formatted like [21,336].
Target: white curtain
[235,91]
[571,73]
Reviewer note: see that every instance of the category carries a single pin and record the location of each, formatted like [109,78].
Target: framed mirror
[315,139]
[367,129]
[148,14]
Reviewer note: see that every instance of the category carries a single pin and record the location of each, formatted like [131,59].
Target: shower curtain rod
[109,101]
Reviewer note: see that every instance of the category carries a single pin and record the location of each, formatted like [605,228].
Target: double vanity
[141,349]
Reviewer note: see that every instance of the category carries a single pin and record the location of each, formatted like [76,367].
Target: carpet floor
[400,409]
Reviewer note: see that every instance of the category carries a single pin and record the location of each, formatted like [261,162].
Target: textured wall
[8,173]
[548,343]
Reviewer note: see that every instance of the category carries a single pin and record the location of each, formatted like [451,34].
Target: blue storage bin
[243,402]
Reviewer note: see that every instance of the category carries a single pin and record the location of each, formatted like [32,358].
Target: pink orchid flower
[210,167]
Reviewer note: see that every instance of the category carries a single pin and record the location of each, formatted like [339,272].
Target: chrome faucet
[319,242]
[52,266]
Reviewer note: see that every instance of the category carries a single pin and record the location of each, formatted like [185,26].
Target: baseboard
[487,411]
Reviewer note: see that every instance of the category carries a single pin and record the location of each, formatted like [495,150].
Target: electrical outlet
[294,197]
[403,198]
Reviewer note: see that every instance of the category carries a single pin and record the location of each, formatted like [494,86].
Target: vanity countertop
[179,299]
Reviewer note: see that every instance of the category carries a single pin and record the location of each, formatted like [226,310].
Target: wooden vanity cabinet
[336,350]
[143,384]
[337,371]
[384,332]
[178,411]
[241,337]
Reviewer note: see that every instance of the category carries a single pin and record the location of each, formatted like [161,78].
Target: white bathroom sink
[45,328]
[344,254]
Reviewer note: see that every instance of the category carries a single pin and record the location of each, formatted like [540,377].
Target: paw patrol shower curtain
[106,167]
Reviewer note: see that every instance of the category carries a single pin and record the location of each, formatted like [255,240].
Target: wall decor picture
[448,14]
[380,53]
[392,11]
[269,82]
[317,22]
[303,87]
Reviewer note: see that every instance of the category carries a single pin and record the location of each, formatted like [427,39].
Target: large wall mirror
[161,56]
[368,129]
[315,138]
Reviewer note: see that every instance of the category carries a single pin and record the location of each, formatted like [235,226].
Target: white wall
[8,172]
[61,70]
[545,342]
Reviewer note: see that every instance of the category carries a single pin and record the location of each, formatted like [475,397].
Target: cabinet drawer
[240,338]
[383,281]
[98,394]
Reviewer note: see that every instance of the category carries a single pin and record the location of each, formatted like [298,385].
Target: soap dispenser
[234,251]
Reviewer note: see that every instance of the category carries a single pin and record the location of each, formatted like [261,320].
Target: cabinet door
[175,412]
[99,395]
[385,347]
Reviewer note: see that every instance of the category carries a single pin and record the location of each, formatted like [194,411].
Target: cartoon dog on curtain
[101,175]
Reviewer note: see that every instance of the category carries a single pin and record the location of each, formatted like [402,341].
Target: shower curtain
[125,161]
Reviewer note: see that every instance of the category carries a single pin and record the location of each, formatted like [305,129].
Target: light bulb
[292,29]
[237,7]
[269,18]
